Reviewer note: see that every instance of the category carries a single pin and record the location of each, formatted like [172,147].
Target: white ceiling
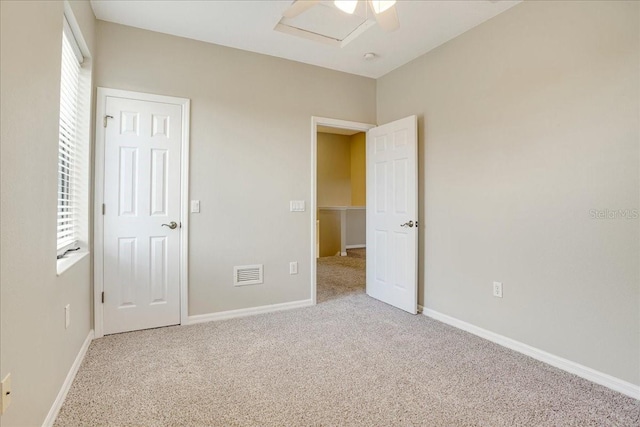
[249,25]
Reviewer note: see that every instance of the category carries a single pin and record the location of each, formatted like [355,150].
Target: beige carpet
[350,360]
[341,276]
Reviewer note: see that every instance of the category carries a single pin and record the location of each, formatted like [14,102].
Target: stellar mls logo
[614,213]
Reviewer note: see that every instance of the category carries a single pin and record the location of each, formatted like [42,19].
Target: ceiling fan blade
[388,20]
[298,7]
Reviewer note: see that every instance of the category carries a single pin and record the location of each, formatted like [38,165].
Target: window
[68,146]
[74,148]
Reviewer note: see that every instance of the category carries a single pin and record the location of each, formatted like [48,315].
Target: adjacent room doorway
[341,213]
[391,209]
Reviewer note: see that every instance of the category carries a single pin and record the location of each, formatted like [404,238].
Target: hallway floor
[339,276]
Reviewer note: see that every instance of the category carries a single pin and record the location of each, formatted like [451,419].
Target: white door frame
[335,123]
[98,227]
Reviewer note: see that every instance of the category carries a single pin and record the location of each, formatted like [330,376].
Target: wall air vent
[247,275]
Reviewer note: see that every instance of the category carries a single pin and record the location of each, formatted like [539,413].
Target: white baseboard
[243,312]
[355,246]
[585,372]
[66,385]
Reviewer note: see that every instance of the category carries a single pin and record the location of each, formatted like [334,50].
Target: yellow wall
[341,170]
[358,169]
[329,232]
[341,181]
[334,170]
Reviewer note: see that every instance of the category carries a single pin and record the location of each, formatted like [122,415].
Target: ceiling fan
[383,10]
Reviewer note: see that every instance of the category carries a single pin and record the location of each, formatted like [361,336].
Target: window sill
[69,260]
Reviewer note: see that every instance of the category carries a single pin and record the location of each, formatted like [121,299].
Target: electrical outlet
[5,393]
[497,289]
[67,315]
[293,267]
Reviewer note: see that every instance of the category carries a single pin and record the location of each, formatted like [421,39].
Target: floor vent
[247,275]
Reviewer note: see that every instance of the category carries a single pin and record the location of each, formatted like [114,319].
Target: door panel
[141,193]
[159,181]
[158,270]
[392,200]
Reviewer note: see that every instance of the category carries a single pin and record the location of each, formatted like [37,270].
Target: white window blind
[68,137]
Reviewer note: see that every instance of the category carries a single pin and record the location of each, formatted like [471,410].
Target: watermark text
[614,213]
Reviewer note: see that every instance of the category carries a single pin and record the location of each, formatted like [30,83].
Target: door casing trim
[98,226]
[335,123]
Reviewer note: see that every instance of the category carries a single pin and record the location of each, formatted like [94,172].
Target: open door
[392,214]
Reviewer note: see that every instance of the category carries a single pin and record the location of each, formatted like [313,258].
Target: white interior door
[392,214]
[142,199]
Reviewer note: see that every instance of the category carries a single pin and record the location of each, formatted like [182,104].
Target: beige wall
[526,124]
[333,170]
[35,347]
[358,169]
[250,153]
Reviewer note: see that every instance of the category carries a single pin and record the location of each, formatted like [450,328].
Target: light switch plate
[293,267]
[195,206]
[297,206]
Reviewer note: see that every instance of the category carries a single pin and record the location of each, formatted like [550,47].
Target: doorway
[341,212]
[141,217]
[338,199]
[392,209]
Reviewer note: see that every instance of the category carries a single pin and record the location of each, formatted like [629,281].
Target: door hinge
[104,208]
[103,297]
[104,120]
